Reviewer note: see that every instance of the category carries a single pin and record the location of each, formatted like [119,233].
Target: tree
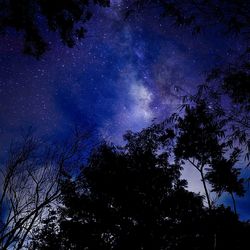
[198,140]
[131,197]
[67,17]
[30,183]
[25,192]
[32,17]
[224,177]
[202,143]
[227,90]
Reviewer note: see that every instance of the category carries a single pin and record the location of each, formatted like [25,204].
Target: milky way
[120,77]
[124,74]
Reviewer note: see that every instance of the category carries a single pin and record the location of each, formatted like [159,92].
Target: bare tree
[30,184]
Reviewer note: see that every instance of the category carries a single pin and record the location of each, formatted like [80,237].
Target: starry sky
[121,76]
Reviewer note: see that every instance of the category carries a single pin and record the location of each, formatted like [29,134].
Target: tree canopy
[134,198]
[32,17]
[68,18]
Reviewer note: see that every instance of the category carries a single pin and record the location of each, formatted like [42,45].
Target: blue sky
[124,74]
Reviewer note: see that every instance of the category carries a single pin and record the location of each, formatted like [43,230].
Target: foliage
[228,95]
[230,17]
[199,134]
[224,177]
[133,198]
[202,142]
[32,17]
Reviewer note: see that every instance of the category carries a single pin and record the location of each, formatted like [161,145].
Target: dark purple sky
[120,77]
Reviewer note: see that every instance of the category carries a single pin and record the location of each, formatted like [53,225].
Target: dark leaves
[66,17]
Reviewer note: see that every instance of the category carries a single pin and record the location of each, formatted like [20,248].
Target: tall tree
[133,198]
[126,199]
[201,141]
[198,140]
[224,177]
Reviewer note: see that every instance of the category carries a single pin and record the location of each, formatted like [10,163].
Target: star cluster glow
[124,74]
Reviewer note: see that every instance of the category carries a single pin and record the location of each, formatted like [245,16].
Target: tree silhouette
[227,86]
[231,17]
[131,197]
[225,178]
[201,141]
[198,140]
[228,94]
[236,85]
[126,199]
[29,184]
[32,17]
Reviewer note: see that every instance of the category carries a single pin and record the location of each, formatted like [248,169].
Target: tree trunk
[234,203]
[205,188]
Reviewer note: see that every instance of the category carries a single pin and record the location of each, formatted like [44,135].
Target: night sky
[124,74]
